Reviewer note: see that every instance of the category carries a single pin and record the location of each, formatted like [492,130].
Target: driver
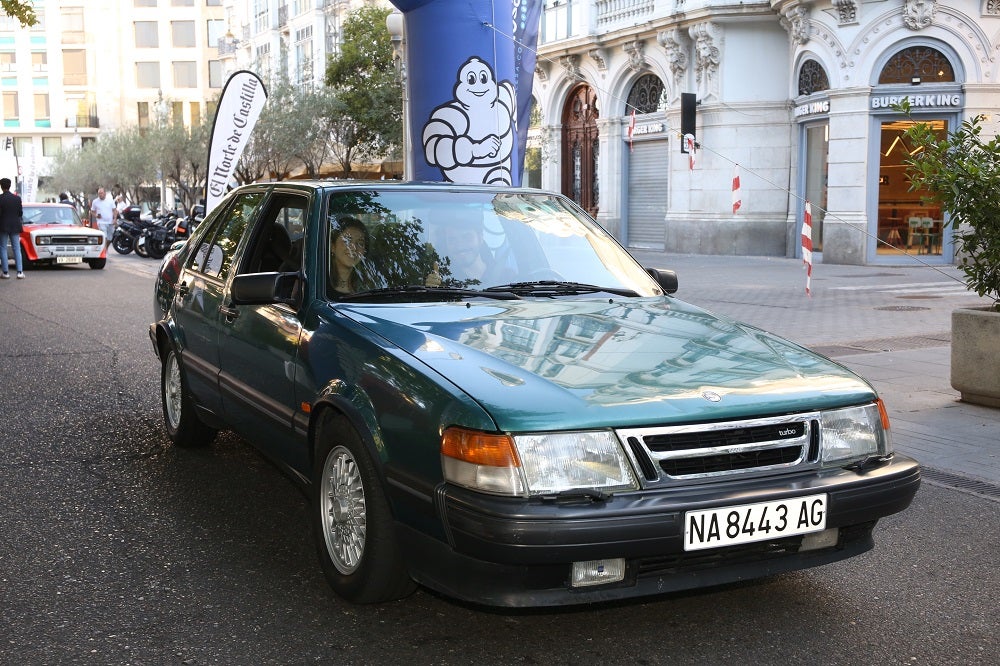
[471,260]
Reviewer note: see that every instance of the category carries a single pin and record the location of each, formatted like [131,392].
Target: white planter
[975,355]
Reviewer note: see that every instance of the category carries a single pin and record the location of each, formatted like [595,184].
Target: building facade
[795,97]
[93,66]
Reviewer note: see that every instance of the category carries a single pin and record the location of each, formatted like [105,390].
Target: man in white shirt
[104,215]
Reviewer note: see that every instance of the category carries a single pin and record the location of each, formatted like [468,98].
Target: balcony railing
[88,121]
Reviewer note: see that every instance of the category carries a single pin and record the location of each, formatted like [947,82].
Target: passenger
[348,244]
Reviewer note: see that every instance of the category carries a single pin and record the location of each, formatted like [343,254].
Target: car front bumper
[508,553]
[58,253]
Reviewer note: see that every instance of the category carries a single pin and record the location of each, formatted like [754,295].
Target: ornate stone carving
[571,64]
[847,11]
[707,55]
[542,70]
[675,44]
[636,60]
[599,56]
[918,14]
[796,22]
[992,8]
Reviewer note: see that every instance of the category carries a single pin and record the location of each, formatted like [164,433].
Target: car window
[278,235]
[214,255]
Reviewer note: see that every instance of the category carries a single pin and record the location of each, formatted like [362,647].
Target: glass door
[816,172]
[905,223]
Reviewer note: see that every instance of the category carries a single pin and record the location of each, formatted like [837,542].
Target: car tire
[355,536]
[97,264]
[184,428]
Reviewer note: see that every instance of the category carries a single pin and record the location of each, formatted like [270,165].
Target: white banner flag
[239,108]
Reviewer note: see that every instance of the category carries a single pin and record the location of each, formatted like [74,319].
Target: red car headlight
[43,240]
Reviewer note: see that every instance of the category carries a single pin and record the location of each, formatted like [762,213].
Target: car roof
[43,204]
[336,184]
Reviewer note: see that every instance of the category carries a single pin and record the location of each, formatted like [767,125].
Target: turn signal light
[479,448]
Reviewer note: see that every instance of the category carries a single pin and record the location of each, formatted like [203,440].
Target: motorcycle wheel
[142,247]
[122,242]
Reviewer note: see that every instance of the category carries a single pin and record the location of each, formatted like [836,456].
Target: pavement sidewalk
[890,324]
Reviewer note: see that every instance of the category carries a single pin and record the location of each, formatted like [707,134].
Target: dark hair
[5,183]
[343,224]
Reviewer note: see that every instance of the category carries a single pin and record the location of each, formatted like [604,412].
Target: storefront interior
[905,222]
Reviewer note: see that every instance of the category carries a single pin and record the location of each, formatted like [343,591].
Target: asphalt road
[116,548]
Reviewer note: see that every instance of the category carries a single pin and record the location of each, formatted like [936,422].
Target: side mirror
[265,288]
[667,279]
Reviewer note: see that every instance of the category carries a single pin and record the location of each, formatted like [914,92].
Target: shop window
[812,78]
[645,94]
[917,64]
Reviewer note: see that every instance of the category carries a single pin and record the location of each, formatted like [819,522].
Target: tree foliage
[961,171]
[22,10]
[368,124]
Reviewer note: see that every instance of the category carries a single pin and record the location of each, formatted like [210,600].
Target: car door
[258,345]
[198,296]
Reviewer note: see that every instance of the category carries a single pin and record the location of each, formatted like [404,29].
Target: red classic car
[55,234]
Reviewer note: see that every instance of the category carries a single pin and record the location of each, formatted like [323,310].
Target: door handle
[230,313]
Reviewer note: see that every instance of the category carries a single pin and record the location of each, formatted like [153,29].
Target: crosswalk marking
[904,285]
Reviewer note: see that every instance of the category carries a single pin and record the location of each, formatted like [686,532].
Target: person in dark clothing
[10,228]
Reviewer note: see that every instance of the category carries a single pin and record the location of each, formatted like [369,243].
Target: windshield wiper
[557,288]
[419,292]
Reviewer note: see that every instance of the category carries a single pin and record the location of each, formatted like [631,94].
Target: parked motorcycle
[128,230]
[156,239]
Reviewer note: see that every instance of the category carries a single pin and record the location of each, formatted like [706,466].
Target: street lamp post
[397,30]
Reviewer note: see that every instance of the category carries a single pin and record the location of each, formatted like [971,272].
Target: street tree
[182,159]
[363,77]
[22,10]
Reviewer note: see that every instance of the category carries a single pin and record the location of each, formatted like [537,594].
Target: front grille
[672,454]
[70,240]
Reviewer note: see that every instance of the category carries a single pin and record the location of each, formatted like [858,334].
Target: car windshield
[51,215]
[393,241]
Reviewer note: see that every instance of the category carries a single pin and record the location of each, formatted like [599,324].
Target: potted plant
[961,172]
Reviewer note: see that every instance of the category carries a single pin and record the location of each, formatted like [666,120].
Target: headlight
[538,464]
[94,240]
[43,240]
[854,433]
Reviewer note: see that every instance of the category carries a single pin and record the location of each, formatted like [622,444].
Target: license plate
[69,260]
[746,523]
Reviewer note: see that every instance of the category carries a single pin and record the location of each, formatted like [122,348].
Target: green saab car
[485,394]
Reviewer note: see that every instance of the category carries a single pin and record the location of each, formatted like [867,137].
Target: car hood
[64,229]
[539,364]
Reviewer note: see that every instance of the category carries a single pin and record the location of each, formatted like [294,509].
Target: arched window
[645,94]
[917,64]
[812,78]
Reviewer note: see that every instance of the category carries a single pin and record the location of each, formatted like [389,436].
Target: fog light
[817,540]
[598,572]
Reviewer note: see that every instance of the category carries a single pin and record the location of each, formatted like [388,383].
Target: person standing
[11,223]
[103,215]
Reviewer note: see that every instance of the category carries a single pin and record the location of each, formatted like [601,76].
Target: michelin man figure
[471,138]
